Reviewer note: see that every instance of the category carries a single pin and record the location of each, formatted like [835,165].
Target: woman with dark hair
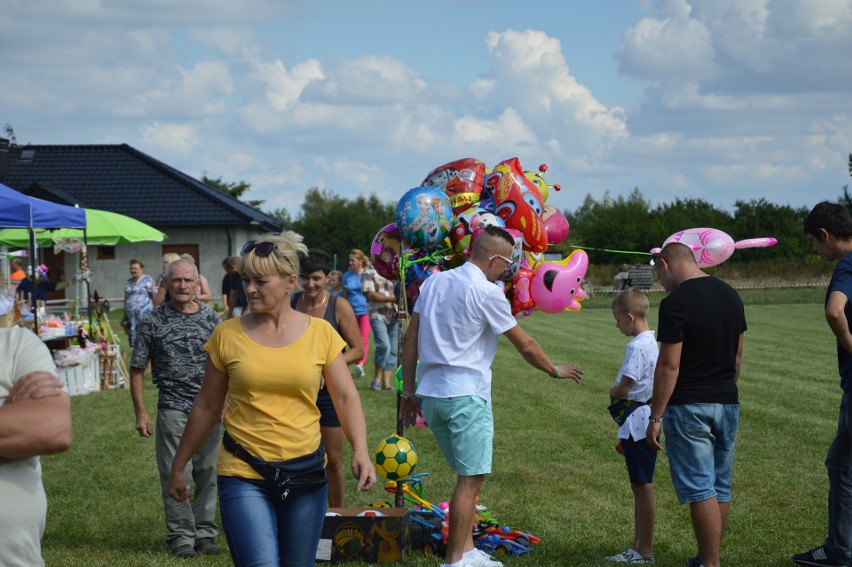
[316,301]
[269,364]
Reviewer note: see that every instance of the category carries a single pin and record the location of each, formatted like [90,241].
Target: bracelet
[407,395]
[655,420]
[558,373]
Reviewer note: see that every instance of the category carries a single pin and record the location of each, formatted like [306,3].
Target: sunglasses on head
[262,249]
[654,259]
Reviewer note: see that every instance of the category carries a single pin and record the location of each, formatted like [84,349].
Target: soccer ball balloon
[395,458]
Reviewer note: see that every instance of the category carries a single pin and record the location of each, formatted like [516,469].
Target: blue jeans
[838,462]
[700,441]
[384,335]
[265,532]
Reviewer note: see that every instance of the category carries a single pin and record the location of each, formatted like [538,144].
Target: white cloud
[171,137]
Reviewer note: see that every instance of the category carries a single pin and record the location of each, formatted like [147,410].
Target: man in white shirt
[35,419]
[453,331]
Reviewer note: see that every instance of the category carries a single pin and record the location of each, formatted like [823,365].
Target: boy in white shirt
[631,395]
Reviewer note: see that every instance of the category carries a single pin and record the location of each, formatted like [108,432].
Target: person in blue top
[829,228]
[42,285]
[358,262]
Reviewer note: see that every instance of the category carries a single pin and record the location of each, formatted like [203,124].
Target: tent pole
[34,276]
[84,269]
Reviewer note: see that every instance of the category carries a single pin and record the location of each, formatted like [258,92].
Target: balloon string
[405,260]
[613,251]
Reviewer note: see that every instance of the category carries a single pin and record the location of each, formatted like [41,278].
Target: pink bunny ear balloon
[711,246]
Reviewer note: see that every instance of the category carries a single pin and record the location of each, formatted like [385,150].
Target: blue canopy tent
[22,211]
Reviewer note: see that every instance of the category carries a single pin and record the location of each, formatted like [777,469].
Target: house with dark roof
[197,218]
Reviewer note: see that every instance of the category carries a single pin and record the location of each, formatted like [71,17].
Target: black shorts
[640,459]
[328,415]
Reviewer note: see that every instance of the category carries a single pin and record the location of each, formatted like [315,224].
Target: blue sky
[712,99]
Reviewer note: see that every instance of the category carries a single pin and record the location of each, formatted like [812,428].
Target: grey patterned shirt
[174,343]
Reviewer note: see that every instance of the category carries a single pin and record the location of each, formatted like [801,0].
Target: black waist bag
[620,409]
[299,475]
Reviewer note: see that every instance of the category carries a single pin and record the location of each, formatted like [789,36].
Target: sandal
[375,386]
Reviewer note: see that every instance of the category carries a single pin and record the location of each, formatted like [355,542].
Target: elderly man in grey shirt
[172,338]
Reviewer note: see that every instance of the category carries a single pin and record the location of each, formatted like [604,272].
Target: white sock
[457,564]
[469,554]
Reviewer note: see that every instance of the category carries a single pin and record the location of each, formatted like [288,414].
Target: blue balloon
[423,216]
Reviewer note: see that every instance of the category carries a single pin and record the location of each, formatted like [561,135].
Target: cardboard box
[374,539]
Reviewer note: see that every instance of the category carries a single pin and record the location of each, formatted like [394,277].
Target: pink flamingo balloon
[711,246]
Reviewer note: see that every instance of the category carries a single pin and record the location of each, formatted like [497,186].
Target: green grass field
[556,472]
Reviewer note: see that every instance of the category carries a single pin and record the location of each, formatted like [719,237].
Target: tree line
[613,230]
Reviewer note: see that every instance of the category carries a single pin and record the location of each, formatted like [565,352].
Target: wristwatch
[655,420]
[407,395]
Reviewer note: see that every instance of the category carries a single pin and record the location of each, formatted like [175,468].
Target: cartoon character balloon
[521,295]
[557,286]
[711,246]
[461,180]
[384,252]
[537,179]
[469,221]
[555,224]
[518,203]
[423,216]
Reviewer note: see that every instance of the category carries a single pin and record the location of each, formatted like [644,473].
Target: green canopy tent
[103,228]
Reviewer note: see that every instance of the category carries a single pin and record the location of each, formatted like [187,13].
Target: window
[106,252]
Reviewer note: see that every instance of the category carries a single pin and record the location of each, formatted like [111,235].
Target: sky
[720,100]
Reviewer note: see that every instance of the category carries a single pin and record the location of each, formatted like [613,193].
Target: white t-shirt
[640,360]
[462,315]
[24,504]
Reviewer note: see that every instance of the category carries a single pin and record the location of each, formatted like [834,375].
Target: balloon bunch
[437,221]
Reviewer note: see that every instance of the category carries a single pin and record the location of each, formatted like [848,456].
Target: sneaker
[207,546]
[479,559]
[818,556]
[631,556]
[184,551]
[694,562]
[359,370]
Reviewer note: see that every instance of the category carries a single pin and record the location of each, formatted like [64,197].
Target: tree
[759,218]
[235,189]
[620,223]
[338,225]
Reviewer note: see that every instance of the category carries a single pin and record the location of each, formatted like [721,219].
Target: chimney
[4,157]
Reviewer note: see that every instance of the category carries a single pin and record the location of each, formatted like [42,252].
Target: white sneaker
[631,556]
[480,559]
[359,370]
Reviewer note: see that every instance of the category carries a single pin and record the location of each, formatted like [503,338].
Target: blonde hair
[170,257]
[365,262]
[631,301]
[284,260]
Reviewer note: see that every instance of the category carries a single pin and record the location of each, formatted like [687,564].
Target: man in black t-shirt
[701,328]
[234,298]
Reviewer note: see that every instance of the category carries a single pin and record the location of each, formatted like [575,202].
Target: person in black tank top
[315,301]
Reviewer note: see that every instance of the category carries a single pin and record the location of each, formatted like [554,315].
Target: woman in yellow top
[269,364]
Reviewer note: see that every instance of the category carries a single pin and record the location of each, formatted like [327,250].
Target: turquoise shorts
[464,429]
